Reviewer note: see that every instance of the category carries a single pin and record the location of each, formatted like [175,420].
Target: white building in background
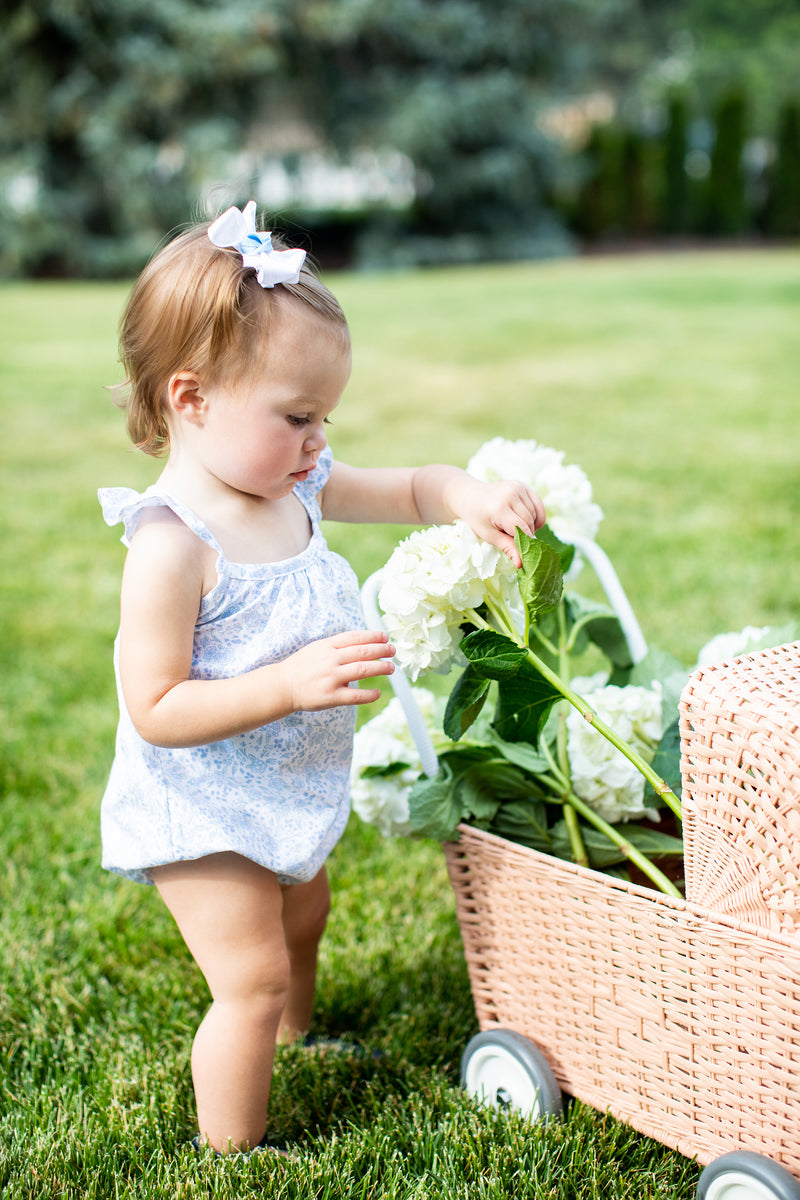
[318,182]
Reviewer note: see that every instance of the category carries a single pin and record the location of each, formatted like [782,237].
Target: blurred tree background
[395,132]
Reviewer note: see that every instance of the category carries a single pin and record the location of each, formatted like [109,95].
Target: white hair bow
[237,230]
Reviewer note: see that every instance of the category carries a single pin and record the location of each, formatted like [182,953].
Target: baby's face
[264,435]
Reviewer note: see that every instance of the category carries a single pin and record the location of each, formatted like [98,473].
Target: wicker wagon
[680,1017]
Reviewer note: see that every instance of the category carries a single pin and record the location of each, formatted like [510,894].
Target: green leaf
[564,550]
[500,778]
[540,578]
[523,755]
[492,654]
[652,842]
[524,702]
[603,853]
[486,784]
[465,702]
[546,629]
[462,754]
[476,796]
[433,806]
[524,696]
[667,761]
[525,822]
[385,771]
[600,626]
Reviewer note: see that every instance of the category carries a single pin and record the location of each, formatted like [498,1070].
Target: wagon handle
[615,594]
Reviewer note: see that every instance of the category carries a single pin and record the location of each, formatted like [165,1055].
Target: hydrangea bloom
[600,774]
[565,490]
[432,581]
[726,646]
[382,800]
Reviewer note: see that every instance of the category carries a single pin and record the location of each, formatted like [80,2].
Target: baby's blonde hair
[196,308]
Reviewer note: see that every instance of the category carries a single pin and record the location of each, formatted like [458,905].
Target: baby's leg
[305,912]
[229,910]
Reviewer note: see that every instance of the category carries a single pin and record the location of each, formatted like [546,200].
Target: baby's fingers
[362,646]
[363,654]
[537,510]
[504,542]
[525,510]
[358,637]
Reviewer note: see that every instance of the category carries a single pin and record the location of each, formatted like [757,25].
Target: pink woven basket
[740,738]
[680,1017]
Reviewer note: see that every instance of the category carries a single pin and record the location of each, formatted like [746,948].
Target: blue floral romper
[278,795]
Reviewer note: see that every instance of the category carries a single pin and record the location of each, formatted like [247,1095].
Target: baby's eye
[298,422]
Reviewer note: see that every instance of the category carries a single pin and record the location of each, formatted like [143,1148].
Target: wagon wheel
[744,1175]
[505,1070]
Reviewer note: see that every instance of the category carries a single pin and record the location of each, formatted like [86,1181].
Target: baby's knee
[266,1008]
[264,989]
[306,930]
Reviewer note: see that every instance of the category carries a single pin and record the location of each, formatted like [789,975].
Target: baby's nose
[316,439]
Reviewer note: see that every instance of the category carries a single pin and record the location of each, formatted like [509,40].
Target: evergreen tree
[600,205]
[459,86]
[726,208]
[638,184]
[782,210]
[675,208]
[113,116]
[117,116]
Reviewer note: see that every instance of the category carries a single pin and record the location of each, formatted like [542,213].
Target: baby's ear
[185,396]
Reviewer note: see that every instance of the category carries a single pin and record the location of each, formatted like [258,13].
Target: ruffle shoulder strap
[122,504]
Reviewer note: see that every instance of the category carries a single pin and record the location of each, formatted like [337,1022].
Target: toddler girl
[241,645]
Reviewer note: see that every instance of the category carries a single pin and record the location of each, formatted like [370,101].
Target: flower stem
[499,609]
[572,804]
[659,786]
[540,637]
[576,628]
[631,853]
[576,842]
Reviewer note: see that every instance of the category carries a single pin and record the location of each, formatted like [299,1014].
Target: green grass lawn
[673,382]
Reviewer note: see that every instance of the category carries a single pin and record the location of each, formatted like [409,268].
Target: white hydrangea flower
[564,489]
[601,775]
[430,583]
[726,646]
[584,684]
[382,800]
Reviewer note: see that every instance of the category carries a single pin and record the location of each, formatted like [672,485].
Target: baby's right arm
[162,588]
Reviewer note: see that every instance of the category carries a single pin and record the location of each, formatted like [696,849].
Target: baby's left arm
[434,495]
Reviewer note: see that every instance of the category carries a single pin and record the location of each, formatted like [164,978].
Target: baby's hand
[494,511]
[319,675]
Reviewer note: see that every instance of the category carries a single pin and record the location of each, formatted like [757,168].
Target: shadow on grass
[419,1008]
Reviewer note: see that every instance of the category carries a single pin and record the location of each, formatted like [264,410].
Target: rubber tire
[505,1070]
[744,1175]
